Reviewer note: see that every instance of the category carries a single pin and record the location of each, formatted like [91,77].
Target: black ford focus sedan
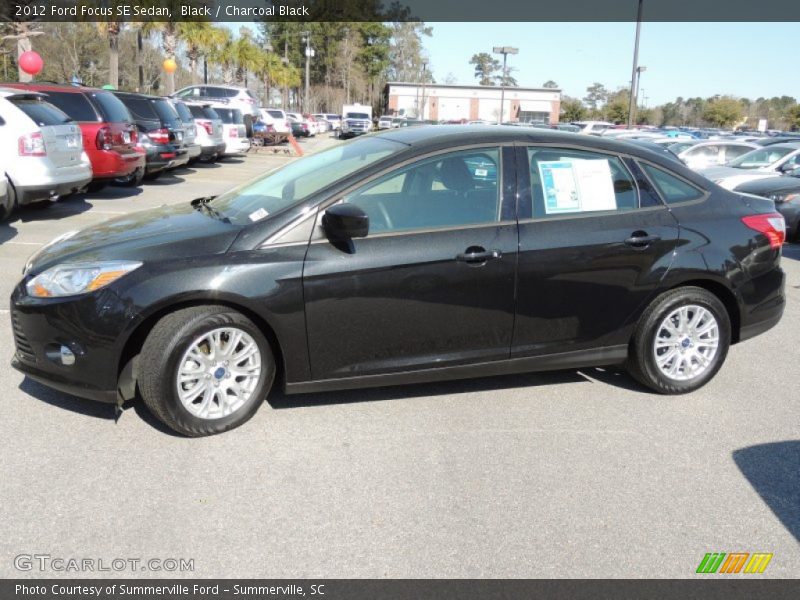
[412,255]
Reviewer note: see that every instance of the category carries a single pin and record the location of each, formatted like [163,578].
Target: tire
[167,352]
[693,361]
[96,186]
[153,176]
[132,180]
[8,207]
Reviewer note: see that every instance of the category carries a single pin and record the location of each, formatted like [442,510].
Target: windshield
[356,116]
[301,179]
[762,157]
[679,147]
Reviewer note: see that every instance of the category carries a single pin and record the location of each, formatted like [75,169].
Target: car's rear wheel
[132,180]
[681,341]
[204,370]
[8,206]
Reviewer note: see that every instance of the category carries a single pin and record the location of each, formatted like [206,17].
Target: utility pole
[424,64]
[23,35]
[505,51]
[635,69]
[309,53]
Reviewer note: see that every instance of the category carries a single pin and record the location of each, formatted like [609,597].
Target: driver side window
[448,190]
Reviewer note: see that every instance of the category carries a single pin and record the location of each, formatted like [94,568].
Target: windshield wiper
[203,204]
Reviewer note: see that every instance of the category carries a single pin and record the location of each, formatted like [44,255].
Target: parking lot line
[25,243]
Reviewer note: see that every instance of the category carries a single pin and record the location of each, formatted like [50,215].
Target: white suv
[41,150]
[277,118]
[235,97]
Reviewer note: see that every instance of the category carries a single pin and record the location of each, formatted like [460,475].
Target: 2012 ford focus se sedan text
[412,255]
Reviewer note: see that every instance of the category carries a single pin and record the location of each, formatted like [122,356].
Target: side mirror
[345,221]
[788,167]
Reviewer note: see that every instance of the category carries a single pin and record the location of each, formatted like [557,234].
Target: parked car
[41,150]
[299,127]
[230,95]
[234,132]
[193,148]
[784,191]
[160,134]
[334,120]
[209,131]
[764,162]
[107,128]
[657,148]
[322,121]
[309,126]
[770,141]
[277,118]
[593,127]
[5,206]
[199,306]
[385,122]
[712,153]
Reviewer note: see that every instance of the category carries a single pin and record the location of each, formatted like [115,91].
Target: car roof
[51,86]
[137,95]
[7,92]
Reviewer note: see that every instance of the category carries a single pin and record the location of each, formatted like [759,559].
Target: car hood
[770,185]
[165,233]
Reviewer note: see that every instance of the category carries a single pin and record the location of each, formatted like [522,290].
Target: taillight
[32,145]
[103,140]
[771,225]
[134,136]
[159,136]
[207,125]
[233,132]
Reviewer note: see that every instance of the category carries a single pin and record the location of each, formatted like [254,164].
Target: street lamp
[309,55]
[505,51]
[632,114]
[635,69]
[424,64]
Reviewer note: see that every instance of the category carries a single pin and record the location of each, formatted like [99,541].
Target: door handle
[640,239]
[476,254]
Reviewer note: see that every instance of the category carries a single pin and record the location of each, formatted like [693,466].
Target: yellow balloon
[170,65]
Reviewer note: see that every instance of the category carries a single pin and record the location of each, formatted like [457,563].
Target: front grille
[24,350]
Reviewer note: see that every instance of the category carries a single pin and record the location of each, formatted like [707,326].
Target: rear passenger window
[566,182]
[141,107]
[671,188]
[75,105]
[41,113]
[114,111]
[450,190]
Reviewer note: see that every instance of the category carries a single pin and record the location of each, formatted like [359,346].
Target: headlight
[78,278]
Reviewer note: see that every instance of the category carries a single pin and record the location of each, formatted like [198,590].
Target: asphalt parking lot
[573,473]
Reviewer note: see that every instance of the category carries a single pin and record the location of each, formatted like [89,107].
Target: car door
[595,240]
[432,284]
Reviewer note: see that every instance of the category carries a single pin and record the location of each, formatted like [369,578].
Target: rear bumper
[107,164]
[211,151]
[194,150]
[236,146]
[767,309]
[35,193]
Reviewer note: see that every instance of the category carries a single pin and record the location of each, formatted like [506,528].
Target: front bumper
[42,326]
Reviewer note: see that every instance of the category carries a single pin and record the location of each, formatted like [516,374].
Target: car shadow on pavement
[231,160]
[52,211]
[99,410]
[115,192]
[165,179]
[774,472]
[7,232]
[279,400]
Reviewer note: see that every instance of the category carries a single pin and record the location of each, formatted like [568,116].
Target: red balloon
[31,62]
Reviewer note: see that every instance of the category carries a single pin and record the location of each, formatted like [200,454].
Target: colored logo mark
[734,562]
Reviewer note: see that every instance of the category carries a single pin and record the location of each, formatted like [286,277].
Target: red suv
[109,131]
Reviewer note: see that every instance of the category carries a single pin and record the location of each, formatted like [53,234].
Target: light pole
[309,53]
[632,114]
[424,64]
[635,69]
[505,51]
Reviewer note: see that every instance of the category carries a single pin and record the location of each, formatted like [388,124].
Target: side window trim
[704,194]
[318,235]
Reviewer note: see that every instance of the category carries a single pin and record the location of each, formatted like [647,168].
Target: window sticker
[257,215]
[576,185]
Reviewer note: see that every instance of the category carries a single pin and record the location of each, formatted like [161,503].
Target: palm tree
[112,29]
[201,38]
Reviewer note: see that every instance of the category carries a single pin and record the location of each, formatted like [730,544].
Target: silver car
[41,150]
[764,162]
[189,129]
[209,130]
[701,154]
[229,95]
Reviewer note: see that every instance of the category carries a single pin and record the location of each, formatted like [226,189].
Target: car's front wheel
[681,341]
[205,369]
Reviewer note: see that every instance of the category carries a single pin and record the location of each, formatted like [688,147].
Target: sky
[682,59]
